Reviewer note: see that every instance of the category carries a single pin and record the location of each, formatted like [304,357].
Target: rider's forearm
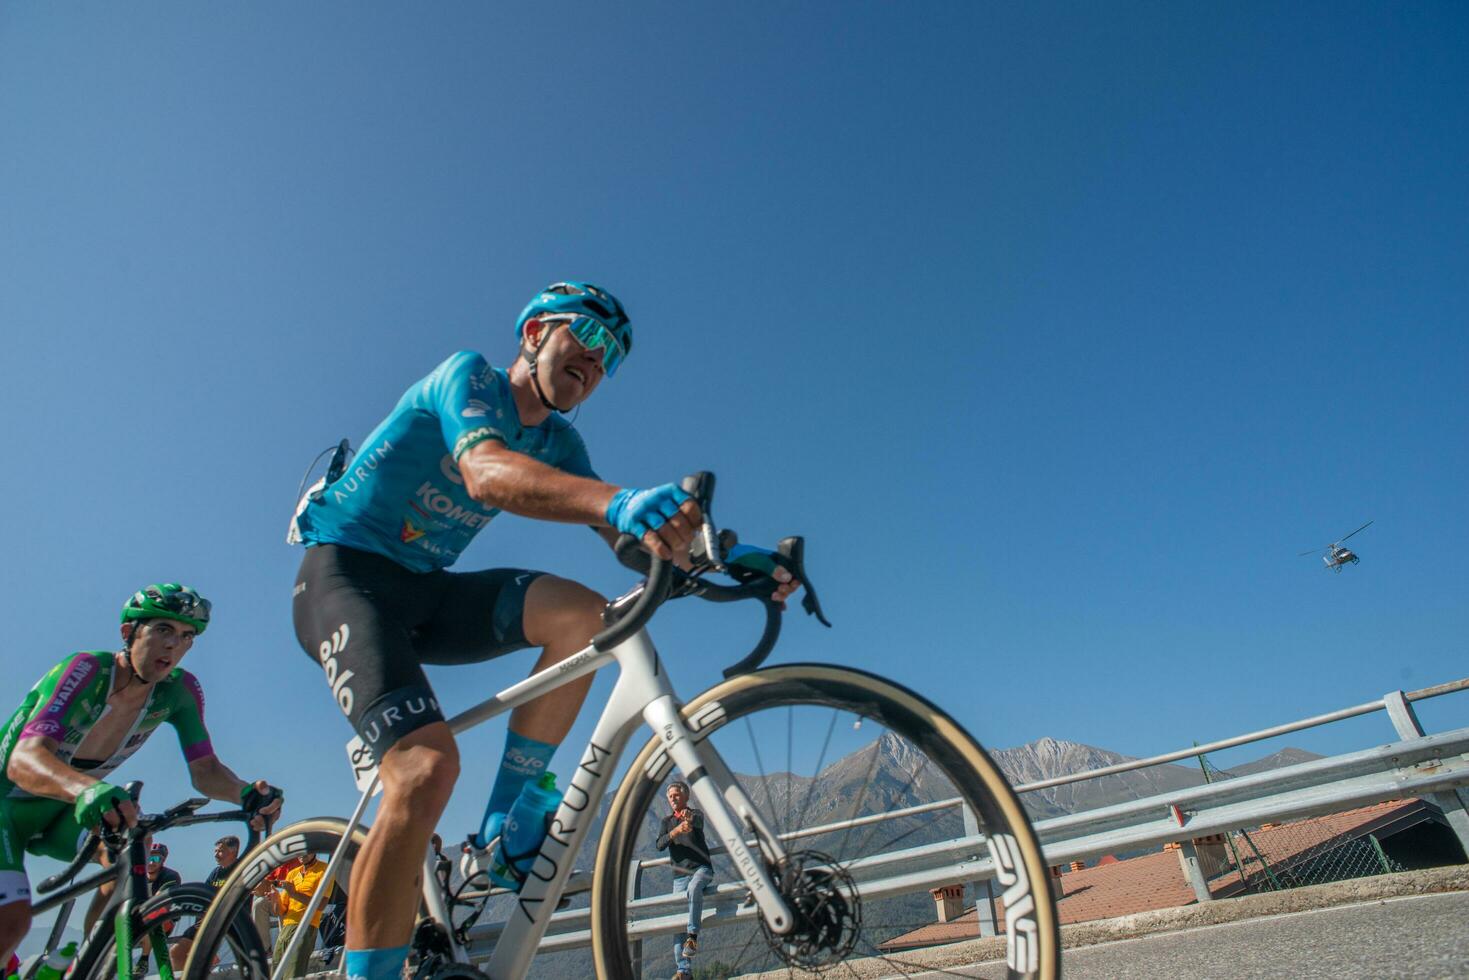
[35,768]
[215,780]
[514,482]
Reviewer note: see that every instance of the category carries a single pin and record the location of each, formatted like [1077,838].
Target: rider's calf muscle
[15,922]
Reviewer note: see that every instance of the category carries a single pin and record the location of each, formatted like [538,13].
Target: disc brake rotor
[825,908]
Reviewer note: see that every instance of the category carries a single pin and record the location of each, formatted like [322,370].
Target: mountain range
[1048,758]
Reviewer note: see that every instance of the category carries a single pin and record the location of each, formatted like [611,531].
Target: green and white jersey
[72,697]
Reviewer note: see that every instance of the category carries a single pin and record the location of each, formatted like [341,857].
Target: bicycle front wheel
[865,785]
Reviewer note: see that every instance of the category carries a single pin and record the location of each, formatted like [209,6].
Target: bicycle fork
[726,807]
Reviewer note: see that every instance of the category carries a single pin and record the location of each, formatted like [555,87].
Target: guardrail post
[635,890]
[1188,856]
[1451,802]
[984,896]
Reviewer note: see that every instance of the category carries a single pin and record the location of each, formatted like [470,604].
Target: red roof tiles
[1155,881]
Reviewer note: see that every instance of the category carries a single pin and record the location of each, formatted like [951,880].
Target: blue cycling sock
[375,964]
[525,759]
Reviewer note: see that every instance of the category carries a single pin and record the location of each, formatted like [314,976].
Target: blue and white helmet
[564,300]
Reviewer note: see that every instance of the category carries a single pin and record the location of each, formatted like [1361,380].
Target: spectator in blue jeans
[682,835]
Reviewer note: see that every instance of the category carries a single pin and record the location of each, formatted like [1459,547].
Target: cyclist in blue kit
[373,600]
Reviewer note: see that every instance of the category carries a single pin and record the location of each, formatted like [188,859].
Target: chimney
[1058,890]
[949,900]
[1078,865]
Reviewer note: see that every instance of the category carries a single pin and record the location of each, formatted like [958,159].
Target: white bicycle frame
[643,693]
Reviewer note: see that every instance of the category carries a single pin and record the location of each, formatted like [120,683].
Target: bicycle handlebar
[632,611]
[180,815]
[84,855]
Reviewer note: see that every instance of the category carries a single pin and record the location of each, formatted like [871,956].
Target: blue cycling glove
[637,512]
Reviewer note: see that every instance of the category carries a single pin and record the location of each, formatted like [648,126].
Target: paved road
[1426,936]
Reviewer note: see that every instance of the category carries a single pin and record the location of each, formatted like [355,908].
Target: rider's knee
[15,922]
[423,767]
[556,607]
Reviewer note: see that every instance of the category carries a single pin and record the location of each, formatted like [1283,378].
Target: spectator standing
[226,856]
[160,876]
[291,898]
[682,835]
[262,908]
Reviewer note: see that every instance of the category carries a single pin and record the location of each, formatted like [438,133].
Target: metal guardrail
[1416,765]
[1382,704]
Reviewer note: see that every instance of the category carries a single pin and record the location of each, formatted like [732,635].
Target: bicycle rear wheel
[824,751]
[168,914]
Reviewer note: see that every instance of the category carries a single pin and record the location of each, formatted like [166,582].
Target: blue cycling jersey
[402,496]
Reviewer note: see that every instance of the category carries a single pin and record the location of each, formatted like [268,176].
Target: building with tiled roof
[1113,887]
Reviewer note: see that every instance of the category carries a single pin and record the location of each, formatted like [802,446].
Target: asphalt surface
[1424,936]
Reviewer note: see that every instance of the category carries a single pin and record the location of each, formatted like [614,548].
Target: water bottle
[524,830]
[57,963]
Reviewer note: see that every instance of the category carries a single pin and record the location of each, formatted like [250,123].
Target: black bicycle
[134,925]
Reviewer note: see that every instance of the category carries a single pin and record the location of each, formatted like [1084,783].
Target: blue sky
[1057,329]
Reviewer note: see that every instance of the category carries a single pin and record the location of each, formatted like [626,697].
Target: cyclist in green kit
[82,720]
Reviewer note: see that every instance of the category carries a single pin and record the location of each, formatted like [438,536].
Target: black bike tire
[99,959]
[964,761]
[317,834]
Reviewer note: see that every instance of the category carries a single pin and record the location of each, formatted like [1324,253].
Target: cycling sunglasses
[195,607]
[592,334]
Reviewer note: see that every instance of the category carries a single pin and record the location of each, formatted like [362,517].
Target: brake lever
[793,549]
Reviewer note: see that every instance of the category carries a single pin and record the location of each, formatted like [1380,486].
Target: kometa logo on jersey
[410,533]
[439,502]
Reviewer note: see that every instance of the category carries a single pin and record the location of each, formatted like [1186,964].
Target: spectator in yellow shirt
[291,897]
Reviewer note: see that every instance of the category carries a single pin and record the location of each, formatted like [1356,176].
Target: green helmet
[168,600]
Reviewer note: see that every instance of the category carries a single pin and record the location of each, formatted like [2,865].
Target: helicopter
[1336,556]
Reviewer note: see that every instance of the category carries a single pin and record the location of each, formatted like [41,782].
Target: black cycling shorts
[370,624]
